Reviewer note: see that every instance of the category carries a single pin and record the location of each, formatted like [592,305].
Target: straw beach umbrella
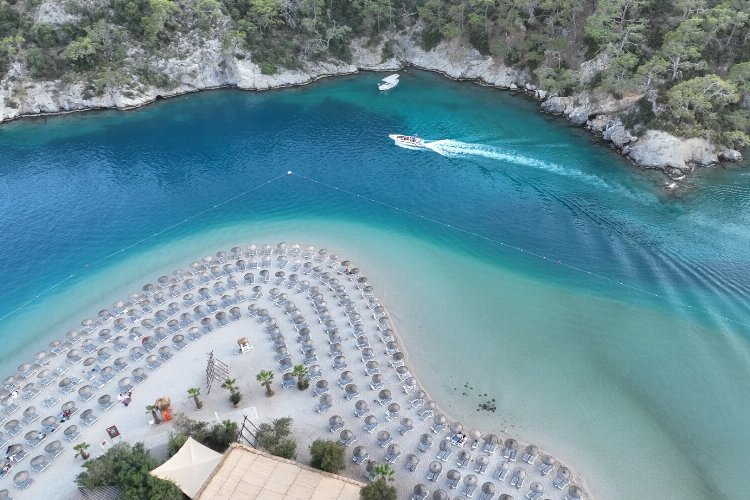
[488,488]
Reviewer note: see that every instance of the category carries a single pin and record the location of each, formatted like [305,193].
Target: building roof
[245,473]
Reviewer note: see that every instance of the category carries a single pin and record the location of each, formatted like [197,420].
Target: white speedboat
[408,141]
[388,82]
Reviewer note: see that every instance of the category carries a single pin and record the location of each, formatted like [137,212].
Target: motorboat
[388,82]
[408,141]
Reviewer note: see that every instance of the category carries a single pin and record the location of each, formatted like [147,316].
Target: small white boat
[388,82]
[408,141]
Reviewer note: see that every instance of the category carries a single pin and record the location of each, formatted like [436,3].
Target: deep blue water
[511,187]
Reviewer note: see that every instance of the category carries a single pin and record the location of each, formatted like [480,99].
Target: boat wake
[457,149]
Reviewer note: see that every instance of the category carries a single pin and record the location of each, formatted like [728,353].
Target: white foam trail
[458,149]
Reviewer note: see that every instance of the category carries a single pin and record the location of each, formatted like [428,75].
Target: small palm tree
[194,392]
[80,449]
[265,377]
[230,384]
[300,371]
[152,410]
[383,470]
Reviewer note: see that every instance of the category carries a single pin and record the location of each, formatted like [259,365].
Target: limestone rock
[579,116]
[616,134]
[53,12]
[556,105]
[371,57]
[699,151]
[730,155]
[658,149]
[591,69]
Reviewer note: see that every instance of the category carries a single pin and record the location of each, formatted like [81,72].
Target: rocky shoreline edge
[209,67]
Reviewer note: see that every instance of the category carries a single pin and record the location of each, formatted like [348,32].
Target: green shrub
[268,69]
[378,490]
[218,437]
[274,438]
[387,52]
[41,64]
[327,455]
[127,467]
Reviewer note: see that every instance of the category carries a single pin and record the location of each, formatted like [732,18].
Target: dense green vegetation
[688,58]
[127,467]
[217,436]
[327,455]
[274,438]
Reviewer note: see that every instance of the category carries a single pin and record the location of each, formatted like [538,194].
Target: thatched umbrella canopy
[163,403]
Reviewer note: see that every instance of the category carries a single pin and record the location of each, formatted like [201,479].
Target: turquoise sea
[519,259]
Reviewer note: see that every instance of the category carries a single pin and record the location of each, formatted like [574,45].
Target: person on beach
[6,468]
[126,399]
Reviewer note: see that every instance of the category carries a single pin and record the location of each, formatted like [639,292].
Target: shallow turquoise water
[609,322]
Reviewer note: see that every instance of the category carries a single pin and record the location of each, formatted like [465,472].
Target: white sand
[187,369]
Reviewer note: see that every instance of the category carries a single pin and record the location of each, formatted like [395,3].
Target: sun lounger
[360,455]
[454,477]
[335,423]
[384,438]
[501,471]
[30,415]
[405,427]
[53,449]
[39,463]
[22,480]
[347,438]
[394,451]
[71,433]
[153,362]
[361,409]
[371,423]
[517,478]
[88,417]
[324,405]
[464,457]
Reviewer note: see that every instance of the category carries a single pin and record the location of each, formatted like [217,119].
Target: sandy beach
[342,304]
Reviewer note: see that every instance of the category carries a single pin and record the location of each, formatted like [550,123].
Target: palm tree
[194,392]
[300,371]
[265,377]
[152,410]
[230,384]
[80,449]
[383,470]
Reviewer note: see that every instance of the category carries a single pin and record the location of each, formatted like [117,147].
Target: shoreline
[598,114]
[271,405]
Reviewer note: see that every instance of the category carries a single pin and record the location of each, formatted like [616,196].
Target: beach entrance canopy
[189,467]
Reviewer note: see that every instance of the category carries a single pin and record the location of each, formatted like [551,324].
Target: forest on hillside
[688,59]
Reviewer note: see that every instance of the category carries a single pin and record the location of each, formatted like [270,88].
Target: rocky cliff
[204,64]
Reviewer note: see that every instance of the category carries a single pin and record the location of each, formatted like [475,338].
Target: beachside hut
[440,495]
[189,467]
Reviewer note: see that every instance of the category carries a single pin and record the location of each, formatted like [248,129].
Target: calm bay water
[609,322]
